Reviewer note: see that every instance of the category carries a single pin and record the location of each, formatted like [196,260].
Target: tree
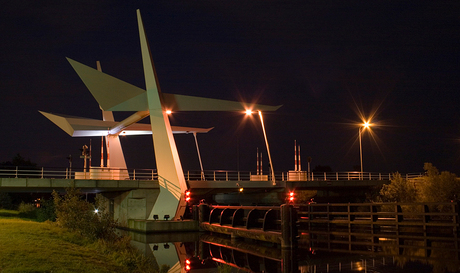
[439,187]
[399,190]
[18,160]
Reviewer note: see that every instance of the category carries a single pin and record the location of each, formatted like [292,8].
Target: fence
[396,228]
[93,173]
[210,175]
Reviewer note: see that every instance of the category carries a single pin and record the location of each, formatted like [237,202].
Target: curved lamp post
[249,112]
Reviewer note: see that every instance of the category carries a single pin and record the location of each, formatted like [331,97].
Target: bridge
[132,192]
[149,194]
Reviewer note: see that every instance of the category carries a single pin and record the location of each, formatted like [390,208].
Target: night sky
[326,62]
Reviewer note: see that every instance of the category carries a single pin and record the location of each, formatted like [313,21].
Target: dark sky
[325,61]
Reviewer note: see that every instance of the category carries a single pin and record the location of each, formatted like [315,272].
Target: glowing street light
[249,112]
[363,127]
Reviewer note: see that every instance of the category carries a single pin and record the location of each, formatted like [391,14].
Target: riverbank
[29,246]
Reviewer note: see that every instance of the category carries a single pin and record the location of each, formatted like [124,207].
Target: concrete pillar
[134,204]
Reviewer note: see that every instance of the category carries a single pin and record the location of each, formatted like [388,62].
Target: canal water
[202,252]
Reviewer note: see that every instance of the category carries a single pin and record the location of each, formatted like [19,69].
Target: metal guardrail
[95,173]
[209,175]
[223,175]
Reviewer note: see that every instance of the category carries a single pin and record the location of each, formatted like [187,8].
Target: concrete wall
[134,204]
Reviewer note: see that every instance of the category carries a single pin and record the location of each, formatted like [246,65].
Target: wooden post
[288,228]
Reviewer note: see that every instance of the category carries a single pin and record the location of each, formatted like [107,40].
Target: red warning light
[291,197]
[187,265]
[187,196]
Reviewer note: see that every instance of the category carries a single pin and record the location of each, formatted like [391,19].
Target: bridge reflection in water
[211,253]
[332,238]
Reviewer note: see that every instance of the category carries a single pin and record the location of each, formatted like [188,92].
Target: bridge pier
[134,204]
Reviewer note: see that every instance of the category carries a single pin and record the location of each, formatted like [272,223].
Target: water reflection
[211,253]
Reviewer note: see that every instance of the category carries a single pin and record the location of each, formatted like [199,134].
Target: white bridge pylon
[113,94]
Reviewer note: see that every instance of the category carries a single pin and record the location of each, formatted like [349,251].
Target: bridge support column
[134,204]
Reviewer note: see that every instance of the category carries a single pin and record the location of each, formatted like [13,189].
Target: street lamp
[249,112]
[363,127]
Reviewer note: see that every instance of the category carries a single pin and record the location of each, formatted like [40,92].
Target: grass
[29,246]
[8,213]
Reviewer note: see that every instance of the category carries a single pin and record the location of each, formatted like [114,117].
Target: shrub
[399,190]
[27,210]
[46,212]
[98,227]
[78,215]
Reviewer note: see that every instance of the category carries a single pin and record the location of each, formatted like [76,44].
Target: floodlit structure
[113,94]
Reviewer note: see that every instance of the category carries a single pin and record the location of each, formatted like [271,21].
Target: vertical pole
[257,161]
[260,165]
[102,152]
[295,155]
[300,165]
[90,154]
[360,151]
[268,148]
[199,155]
[108,150]
[84,164]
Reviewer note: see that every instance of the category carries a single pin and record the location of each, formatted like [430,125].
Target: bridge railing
[224,175]
[92,173]
[209,175]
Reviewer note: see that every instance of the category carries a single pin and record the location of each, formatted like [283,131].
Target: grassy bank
[29,246]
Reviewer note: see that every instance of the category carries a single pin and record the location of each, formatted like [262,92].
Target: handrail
[92,174]
[198,175]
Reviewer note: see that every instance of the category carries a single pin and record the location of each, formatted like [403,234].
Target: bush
[46,212]
[399,190]
[98,227]
[27,210]
[78,215]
